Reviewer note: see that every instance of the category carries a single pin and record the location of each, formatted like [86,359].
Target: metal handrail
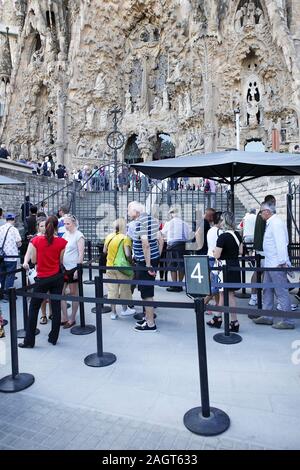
[251,194]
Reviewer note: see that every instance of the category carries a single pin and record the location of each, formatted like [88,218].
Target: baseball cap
[10,216]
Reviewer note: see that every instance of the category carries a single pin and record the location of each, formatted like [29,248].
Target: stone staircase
[95,210]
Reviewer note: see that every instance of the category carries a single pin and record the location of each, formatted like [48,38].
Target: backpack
[2,252]
[45,167]
[122,261]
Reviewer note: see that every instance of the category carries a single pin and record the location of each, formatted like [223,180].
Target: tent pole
[232,189]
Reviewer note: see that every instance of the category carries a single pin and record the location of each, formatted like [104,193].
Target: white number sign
[196,274]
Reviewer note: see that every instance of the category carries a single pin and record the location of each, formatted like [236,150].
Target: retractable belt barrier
[204,420]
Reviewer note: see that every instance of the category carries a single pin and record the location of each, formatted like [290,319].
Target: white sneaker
[113,316]
[252,302]
[127,312]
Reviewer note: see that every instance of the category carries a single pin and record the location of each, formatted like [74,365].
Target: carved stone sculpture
[100,85]
[128,103]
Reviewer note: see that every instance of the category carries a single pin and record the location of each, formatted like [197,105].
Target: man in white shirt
[177,232]
[275,247]
[10,241]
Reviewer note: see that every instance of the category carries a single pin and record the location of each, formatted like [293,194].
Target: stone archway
[164,147]
[132,153]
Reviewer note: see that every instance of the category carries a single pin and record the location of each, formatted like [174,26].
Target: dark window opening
[50,18]
[164,147]
[38,42]
[132,153]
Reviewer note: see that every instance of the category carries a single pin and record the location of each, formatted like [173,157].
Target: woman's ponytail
[51,228]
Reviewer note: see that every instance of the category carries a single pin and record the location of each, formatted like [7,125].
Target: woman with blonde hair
[73,255]
[115,241]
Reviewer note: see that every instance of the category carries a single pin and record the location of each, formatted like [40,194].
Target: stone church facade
[184,72]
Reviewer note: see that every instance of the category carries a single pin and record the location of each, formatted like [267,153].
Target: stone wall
[37,187]
[261,187]
[179,69]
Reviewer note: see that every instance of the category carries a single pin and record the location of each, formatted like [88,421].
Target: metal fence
[293,212]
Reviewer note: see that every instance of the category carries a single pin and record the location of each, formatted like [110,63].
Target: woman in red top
[47,253]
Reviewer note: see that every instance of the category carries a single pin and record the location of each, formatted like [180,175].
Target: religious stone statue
[238,20]
[128,103]
[180,106]
[81,149]
[188,104]
[100,85]
[292,126]
[90,116]
[236,100]
[95,151]
[33,126]
[156,105]
[250,15]
[144,101]
[166,103]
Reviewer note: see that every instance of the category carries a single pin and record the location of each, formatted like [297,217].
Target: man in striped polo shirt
[147,246]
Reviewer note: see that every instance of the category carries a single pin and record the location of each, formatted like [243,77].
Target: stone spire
[5,59]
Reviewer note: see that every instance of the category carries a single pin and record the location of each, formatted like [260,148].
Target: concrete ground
[139,401]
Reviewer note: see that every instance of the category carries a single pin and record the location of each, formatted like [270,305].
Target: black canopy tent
[230,167]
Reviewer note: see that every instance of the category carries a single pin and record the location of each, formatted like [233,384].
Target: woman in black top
[229,247]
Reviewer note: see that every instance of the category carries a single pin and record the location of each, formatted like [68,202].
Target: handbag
[122,262]
[2,252]
[31,276]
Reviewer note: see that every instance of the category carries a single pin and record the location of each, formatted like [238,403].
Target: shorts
[69,276]
[146,291]
[175,254]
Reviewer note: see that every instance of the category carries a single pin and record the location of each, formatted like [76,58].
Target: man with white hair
[147,246]
[275,247]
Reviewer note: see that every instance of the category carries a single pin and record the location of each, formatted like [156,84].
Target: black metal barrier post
[105,308]
[16,381]
[82,329]
[100,358]
[227,337]
[22,333]
[90,279]
[259,277]
[243,294]
[203,419]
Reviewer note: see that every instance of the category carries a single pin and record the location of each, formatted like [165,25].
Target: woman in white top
[73,255]
[213,234]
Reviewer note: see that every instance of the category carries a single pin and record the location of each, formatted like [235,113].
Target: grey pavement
[139,401]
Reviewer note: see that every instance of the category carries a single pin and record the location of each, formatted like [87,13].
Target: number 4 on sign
[196,274]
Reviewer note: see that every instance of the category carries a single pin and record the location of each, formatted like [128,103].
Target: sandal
[69,324]
[50,317]
[63,323]
[215,322]
[2,332]
[43,320]
[234,326]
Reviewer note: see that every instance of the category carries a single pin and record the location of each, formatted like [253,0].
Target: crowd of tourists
[55,246]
